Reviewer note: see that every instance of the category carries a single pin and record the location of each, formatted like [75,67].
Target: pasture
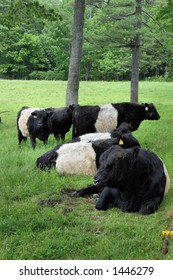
[39,218]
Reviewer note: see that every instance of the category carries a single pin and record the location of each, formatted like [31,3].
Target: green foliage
[36,37]
[159,78]
[23,55]
[49,75]
[33,44]
[110,32]
[72,228]
[165,14]
[18,11]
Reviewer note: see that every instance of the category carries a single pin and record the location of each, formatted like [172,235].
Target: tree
[121,33]
[22,51]
[136,55]
[76,53]
[33,46]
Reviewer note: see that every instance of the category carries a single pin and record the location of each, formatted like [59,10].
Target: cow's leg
[56,135]
[150,206]
[45,140]
[63,136]
[21,137]
[107,199]
[33,141]
[90,189]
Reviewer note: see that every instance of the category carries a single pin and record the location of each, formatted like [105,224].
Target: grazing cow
[61,121]
[106,118]
[123,132]
[134,180]
[35,123]
[81,158]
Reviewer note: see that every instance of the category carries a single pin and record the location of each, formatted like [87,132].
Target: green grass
[72,228]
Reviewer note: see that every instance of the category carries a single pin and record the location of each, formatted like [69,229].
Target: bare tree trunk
[76,53]
[136,55]
[87,71]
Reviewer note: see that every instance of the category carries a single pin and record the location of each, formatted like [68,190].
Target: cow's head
[42,118]
[128,141]
[151,112]
[124,137]
[111,168]
[122,129]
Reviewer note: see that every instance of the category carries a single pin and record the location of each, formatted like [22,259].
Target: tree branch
[120,17]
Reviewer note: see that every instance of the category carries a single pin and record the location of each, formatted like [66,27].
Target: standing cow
[35,123]
[40,123]
[61,121]
[105,118]
[134,180]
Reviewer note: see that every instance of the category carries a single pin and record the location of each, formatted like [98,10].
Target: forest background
[36,37]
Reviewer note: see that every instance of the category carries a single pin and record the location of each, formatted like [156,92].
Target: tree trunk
[76,53]
[135,70]
[136,55]
[87,71]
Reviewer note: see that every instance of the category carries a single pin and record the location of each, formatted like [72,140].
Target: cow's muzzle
[98,180]
[40,125]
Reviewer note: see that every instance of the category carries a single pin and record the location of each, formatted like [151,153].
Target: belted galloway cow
[107,117]
[95,142]
[61,121]
[41,122]
[134,180]
[35,123]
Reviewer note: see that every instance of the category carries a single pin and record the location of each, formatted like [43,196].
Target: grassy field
[71,228]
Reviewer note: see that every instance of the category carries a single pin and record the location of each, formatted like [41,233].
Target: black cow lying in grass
[81,155]
[107,117]
[134,180]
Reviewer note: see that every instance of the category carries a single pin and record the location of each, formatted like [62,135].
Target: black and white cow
[48,160]
[82,157]
[105,118]
[134,180]
[41,122]
[35,123]
[61,121]
[124,128]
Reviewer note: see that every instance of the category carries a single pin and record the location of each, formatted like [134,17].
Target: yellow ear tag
[121,142]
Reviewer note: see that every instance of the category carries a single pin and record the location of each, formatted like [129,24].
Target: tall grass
[71,228]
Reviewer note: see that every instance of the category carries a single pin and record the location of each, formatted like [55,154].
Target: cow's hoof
[96,198]
[75,194]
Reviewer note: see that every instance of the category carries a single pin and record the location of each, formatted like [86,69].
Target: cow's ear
[34,114]
[146,107]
